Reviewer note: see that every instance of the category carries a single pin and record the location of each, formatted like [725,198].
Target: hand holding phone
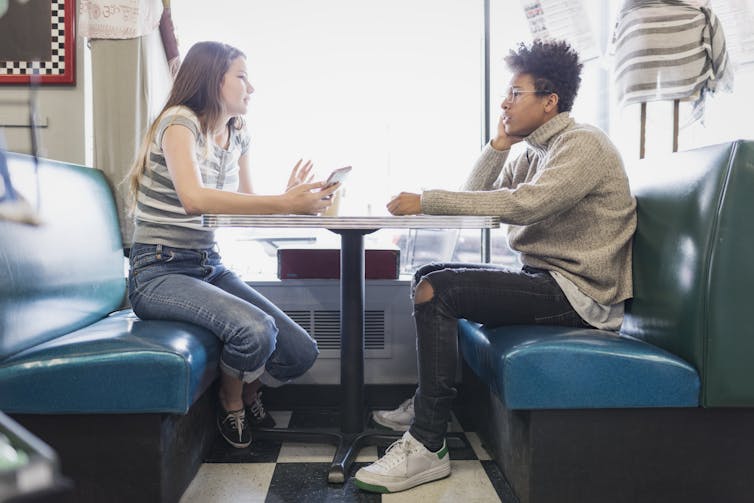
[338,175]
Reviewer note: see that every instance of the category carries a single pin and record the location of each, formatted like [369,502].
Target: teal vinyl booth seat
[664,410]
[124,402]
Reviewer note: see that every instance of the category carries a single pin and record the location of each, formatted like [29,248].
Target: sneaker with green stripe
[406,464]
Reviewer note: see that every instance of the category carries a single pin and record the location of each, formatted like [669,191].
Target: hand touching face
[523,110]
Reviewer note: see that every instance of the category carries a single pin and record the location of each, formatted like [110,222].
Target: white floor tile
[293,452]
[230,483]
[468,482]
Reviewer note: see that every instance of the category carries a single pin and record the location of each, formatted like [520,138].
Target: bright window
[392,88]
[395,89]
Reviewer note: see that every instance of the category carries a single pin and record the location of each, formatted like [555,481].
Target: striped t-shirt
[159,216]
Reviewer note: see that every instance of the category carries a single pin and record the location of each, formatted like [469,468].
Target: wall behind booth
[63,107]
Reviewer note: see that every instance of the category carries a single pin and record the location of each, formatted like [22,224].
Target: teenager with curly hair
[570,216]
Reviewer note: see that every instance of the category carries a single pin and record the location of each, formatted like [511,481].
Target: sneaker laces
[396,453]
[257,408]
[236,419]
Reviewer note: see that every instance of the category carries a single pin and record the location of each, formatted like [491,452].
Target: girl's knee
[295,360]
[309,353]
[257,337]
[424,292]
[267,343]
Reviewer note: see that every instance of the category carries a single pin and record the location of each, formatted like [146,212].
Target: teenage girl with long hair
[195,160]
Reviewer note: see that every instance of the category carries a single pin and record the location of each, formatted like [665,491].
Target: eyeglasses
[514,94]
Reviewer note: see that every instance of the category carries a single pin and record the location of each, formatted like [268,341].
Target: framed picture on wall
[38,40]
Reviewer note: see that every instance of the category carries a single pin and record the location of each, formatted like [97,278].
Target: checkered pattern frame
[56,64]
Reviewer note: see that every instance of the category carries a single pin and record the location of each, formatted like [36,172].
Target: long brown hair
[196,86]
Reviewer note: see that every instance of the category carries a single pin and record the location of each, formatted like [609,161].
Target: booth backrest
[693,264]
[79,276]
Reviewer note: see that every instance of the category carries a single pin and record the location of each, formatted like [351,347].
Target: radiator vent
[303,318]
[324,327]
[327,329]
[374,330]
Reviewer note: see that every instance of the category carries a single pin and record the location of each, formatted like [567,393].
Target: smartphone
[338,175]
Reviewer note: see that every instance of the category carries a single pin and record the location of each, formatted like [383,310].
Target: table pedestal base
[348,444]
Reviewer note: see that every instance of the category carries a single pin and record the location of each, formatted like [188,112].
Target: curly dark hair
[553,64]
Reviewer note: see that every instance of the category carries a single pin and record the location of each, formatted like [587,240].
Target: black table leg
[352,415]
[352,330]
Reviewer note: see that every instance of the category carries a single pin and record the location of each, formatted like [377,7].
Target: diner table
[352,434]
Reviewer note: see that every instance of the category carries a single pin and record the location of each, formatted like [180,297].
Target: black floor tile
[315,418]
[503,489]
[308,482]
[465,418]
[459,447]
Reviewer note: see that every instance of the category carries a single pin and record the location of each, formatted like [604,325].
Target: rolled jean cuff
[246,376]
[270,381]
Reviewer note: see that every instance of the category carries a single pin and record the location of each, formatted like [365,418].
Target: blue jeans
[484,293]
[259,340]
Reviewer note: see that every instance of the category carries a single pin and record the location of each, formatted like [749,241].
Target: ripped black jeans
[484,293]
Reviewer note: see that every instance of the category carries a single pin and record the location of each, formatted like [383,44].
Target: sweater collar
[540,137]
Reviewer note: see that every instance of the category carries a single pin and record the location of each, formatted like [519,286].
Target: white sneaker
[406,463]
[399,419]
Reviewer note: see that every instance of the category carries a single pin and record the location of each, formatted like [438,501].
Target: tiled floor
[275,472]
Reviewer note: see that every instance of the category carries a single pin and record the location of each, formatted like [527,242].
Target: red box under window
[324,263]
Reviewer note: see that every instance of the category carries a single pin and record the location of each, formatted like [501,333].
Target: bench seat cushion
[548,367]
[119,364]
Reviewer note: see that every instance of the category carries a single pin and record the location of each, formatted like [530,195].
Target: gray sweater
[567,202]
